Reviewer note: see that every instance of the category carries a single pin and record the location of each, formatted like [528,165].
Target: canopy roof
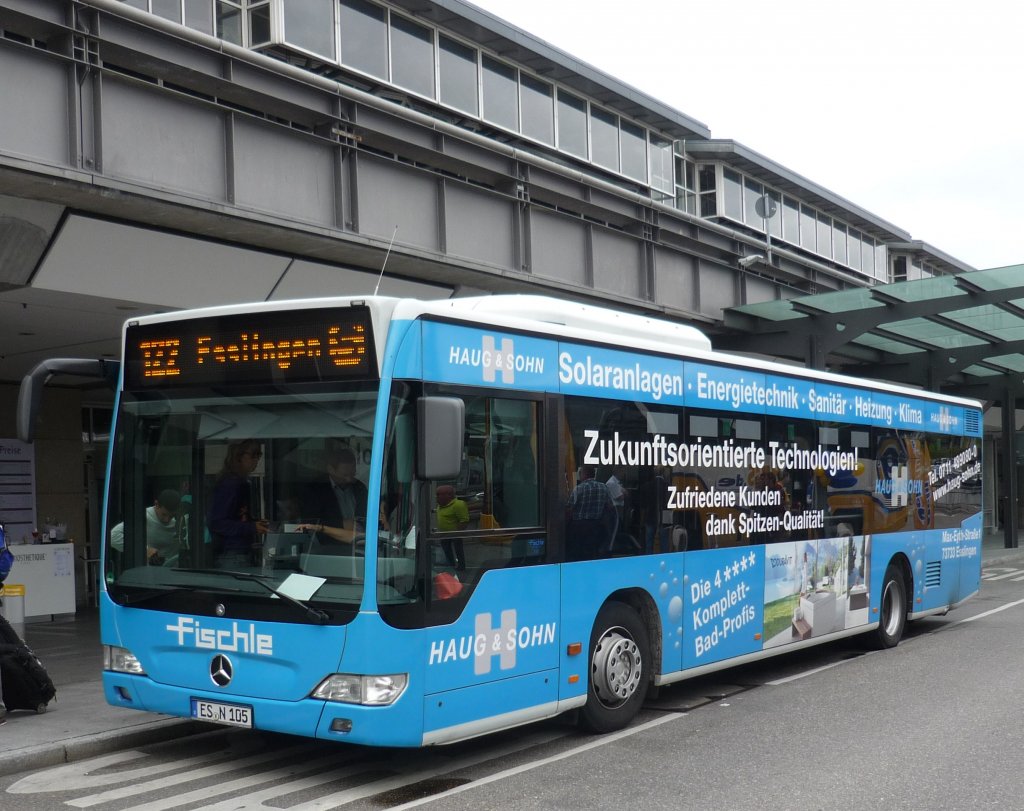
[961,334]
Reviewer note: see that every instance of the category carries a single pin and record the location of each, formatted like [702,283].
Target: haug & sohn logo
[488,642]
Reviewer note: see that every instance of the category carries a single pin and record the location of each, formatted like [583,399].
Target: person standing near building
[6,562]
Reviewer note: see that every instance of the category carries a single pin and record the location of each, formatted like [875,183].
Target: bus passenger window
[477,520]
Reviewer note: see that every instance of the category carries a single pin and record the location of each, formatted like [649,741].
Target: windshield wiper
[315,614]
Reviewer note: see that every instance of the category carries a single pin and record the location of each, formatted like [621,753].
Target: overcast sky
[912,109]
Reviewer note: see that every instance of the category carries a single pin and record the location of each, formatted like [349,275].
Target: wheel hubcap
[891,608]
[617,667]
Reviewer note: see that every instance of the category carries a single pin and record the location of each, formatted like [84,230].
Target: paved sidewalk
[80,724]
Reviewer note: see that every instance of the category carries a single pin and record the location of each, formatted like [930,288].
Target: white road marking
[804,674]
[982,615]
[433,765]
[604,740]
[988,578]
[136,788]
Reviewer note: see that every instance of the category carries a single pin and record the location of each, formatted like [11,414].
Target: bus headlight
[121,660]
[369,690]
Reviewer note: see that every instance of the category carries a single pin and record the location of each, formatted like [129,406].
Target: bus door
[492,605]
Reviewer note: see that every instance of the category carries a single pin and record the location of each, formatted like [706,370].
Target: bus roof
[554,317]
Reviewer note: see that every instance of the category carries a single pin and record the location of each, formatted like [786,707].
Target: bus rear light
[374,691]
[121,660]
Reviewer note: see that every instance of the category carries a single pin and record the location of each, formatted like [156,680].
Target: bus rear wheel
[619,669]
[893,609]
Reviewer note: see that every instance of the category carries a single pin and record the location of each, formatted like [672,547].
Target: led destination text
[253,348]
[163,357]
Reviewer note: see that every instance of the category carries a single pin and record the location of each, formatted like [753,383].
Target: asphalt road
[933,724]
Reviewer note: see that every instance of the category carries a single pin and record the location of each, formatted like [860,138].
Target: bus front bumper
[399,724]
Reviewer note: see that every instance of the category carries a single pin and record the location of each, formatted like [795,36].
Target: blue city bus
[406,523]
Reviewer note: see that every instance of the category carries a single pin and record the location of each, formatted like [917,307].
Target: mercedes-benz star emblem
[221,670]
[220,610]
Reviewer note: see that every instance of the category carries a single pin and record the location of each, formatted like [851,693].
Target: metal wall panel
[156,46]
[559,246]
[717,289]
[673,279]
[33,106]
[617,263]
[395,127]
[42,9]
[151,137]
[391,194]
[479,225]
[758,290]
[279,171]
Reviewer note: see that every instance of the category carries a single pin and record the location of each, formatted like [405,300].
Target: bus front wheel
[893,609]
[619,669]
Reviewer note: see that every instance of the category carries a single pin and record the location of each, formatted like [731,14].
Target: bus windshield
[234,496]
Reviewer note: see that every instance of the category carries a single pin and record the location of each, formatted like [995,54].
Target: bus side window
[478,520]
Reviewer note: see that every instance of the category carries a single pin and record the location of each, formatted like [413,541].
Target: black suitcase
[26,684]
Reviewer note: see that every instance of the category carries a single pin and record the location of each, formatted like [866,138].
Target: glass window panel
[633,146]
[733,195]
[199,15]
[604,138]
[364,37]
[881,263]
[752,192]
[457,65]
[775,220]
[686,200]
[661,164]
[229,23]
[791,220]
[259,25]
[824,235]
[538,109]
[839,241]
[139,4]
[572,124]
[854,249]
[808,227]
[168,9]
[501,94]
[708,191]
[309,24]
[412,56]
[867,255]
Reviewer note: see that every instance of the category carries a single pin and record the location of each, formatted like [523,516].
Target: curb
[68,750]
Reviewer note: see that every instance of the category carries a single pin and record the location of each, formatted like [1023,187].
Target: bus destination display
[301,346]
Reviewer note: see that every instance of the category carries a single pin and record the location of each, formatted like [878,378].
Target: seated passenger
[161,529]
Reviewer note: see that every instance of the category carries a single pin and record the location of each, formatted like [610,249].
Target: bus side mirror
[440,432]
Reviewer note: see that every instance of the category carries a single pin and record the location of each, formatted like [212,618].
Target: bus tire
[620,666]
[892,609]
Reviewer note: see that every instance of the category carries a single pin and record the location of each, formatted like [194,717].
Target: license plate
[235,715]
